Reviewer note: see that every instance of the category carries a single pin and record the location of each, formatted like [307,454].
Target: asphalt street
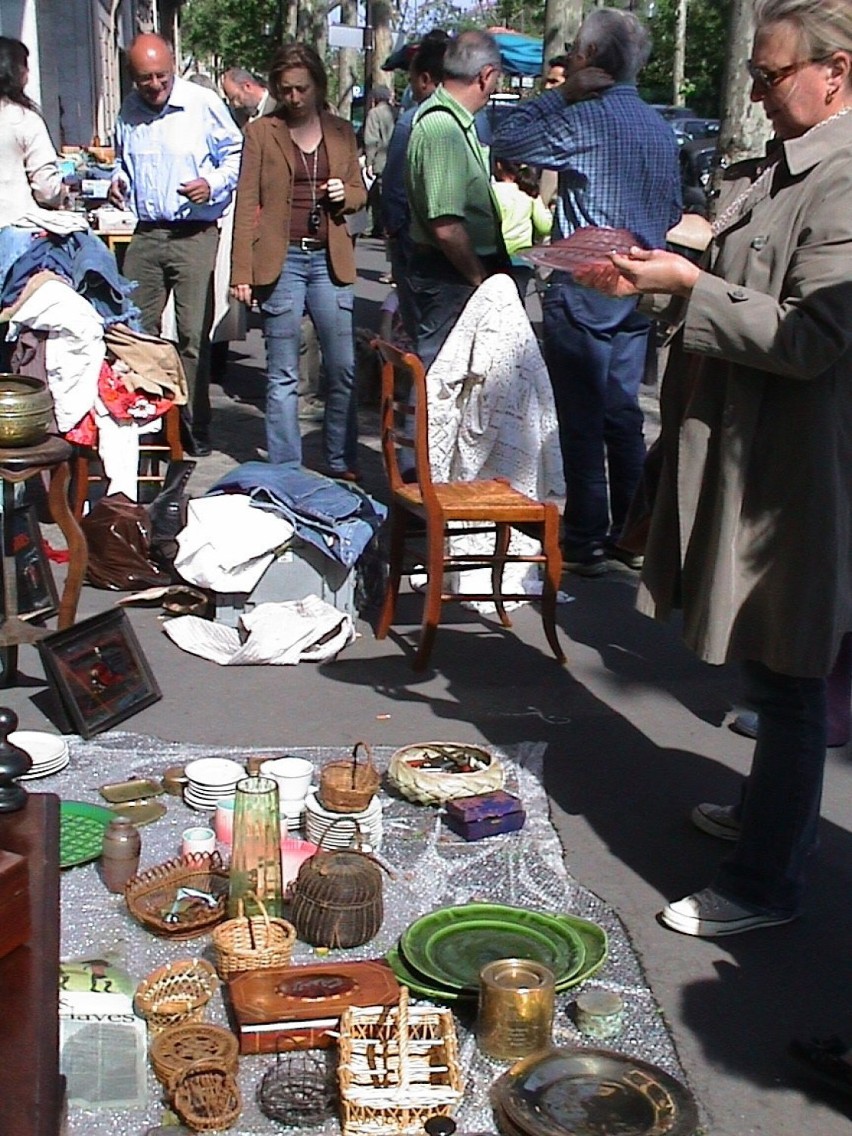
[637,733]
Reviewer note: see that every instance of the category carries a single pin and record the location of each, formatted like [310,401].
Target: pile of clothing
[70,316]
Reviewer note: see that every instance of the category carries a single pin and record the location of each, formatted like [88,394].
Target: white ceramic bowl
[293,775]
[215,771]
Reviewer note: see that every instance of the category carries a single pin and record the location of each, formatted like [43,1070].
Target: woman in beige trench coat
[751,533]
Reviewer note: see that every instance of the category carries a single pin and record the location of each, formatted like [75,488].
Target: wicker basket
[253,942]
[346,786]
[179,1046]
[206,1096]
[398,1066]
[338,899]
[176,993]
[150,895]
[435,787]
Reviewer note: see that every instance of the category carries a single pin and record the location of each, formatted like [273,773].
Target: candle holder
[14,762]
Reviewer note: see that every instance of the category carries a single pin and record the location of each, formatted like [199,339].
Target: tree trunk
[312,24]
[562,18]
[381,13]
[745,128]
[679,60]
[347,61]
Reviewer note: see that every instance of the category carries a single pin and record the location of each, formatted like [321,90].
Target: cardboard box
[488,814]
[301,570]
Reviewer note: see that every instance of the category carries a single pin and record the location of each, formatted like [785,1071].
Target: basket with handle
[398,1066]
[338,896]
[347,786]
[205,1095]
[252,942]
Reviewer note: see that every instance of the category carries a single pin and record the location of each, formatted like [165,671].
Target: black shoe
[201,447]
[589,562]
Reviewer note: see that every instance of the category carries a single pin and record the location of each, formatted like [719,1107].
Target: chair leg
[395,558]
[501,548]
[550,585]
[172,433]
[80,466]
[435,537]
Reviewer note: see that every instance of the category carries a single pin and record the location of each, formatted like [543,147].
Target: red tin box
[14,902]
[486,815]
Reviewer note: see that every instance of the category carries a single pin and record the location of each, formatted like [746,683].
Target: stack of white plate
[291,814]
[49,752]
[210,780]
[341,830]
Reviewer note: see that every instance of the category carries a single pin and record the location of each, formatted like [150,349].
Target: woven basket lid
[344,877]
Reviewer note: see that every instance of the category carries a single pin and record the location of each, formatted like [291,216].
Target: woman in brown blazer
[293,254]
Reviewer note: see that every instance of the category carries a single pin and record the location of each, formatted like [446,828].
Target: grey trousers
[179,259]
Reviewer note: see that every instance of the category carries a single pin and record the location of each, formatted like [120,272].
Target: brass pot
[26,410]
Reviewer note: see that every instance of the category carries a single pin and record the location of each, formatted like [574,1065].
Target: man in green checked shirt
[455,219]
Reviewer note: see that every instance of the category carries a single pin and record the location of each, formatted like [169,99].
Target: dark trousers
[440,293]
[781,798]
[595,350]
[179,260]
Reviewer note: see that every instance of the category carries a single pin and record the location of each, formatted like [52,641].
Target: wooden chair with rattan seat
[445,508]
[156,451]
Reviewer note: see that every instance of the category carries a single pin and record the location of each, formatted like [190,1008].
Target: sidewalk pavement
[637,734]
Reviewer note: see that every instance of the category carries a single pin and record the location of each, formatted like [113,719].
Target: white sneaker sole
[713,929]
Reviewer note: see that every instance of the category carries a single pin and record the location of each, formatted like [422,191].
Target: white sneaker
[710,915]
[717,820]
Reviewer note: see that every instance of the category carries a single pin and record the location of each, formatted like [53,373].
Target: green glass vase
[255,876]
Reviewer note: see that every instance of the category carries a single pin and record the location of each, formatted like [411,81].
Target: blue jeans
[595,351]
[781,799]
[305,286]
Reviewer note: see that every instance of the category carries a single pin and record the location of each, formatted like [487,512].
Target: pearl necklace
[738,206]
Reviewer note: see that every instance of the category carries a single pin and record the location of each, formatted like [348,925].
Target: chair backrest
[403,371]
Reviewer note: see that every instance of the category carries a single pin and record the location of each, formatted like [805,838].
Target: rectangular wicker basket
[398,1066]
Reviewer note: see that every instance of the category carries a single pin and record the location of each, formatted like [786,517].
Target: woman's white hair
[824,26]
[621,41]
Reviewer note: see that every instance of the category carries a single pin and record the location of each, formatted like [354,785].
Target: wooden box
[486,815]
[295,1007]
[14,902]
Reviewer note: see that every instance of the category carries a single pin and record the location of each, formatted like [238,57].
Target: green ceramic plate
[451,946]
[81,832]
[592,936]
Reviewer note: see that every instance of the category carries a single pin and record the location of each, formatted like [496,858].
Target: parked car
[673,112]
[689,129]
[698,162]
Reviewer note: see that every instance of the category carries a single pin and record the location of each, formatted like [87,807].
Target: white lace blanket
[492,414]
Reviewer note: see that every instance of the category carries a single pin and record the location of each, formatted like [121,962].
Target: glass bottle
[256,851]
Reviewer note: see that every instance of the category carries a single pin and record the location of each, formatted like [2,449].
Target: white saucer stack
[341,830]
[210,780]
[48,752]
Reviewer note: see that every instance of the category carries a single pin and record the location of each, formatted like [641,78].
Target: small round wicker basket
[179,1046]
[206,1096]
[176,993]
[347,787]
[473,770]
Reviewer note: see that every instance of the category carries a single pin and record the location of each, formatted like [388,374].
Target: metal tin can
[599,1014]
[515,1008]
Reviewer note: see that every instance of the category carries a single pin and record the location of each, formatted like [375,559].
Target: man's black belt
[177,228]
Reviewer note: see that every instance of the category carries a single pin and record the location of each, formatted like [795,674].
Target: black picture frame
[98,672]
[38,598]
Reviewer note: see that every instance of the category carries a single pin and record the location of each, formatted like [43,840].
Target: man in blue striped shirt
[618,167]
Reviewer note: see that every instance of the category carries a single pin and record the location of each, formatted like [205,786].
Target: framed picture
[37,596]
[98,672]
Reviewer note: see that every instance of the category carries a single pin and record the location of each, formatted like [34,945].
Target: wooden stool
[20,464]
[155,452]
